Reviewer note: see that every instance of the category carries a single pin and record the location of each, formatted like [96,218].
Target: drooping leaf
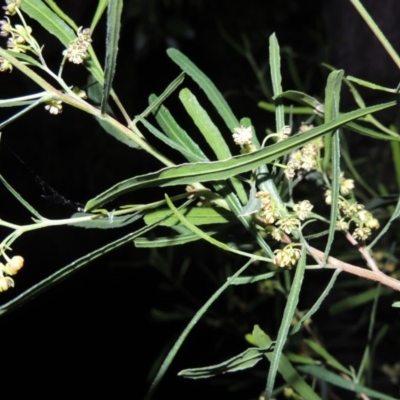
[248,359]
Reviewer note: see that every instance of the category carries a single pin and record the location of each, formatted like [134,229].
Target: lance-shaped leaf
[248,359]
[220,170]
[114,11]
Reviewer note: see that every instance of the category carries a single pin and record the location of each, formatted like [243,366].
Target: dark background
[95,332]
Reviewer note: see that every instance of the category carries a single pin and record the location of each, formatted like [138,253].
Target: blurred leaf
[327,356]
[329,377]
[358,300]
[370,85]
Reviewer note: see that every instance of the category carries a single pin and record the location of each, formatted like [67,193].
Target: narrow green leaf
[329,377]
[248,359]
[157,101]
[332,149]
[176,133]
[178,344]
[245,280]
[327,356]
[286,109]
[196,215]
[68,270]
[28,59]
[206,126]
[168,241]
[371,85]
[114,12]
[52,4]
[171,143]
[276,79]
[106,221]
[37,10]
[208,238]
[207,85]
[101,6]
[305,99]
[112,130]
[286,369]
[20,198]
[290,309]
[357,300]
[19,114]
[317,304]
[221,170]
[395,215]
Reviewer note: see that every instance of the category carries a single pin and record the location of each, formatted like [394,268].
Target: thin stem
[377,32]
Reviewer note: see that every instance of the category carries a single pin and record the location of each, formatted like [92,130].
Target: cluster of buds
[353,212]
[278,227]
[77,50]
[306,158]
[19,36]
[243,136]
[286,257]
[12,266]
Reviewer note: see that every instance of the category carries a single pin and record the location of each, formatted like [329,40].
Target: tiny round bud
[14,265]
[5,283]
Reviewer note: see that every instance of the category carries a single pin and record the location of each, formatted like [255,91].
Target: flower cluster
[19,36]
[77,50]
[279,226]
[11,7]
[243,136]
[352,212]
[287,256]
[12,266]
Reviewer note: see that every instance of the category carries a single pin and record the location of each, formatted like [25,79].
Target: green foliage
[253,191]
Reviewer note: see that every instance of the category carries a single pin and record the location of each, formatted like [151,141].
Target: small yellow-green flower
[362,233]
[303,209]
[288,224]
